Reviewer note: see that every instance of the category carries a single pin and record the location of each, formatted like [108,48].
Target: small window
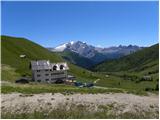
[61,67]
[46,74]
[54,67]
[53,73]
[38,70]
[47,79]
[38,80]
[38,75]
[59,73]
[46,70]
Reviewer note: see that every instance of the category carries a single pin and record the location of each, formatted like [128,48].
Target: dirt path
[121,101]
[107,88]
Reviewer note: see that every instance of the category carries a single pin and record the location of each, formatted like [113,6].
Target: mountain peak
[90,51]
[60,48]
[80,42]
[72,42]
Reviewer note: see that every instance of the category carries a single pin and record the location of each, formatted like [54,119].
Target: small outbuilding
[22,56]
[147,78]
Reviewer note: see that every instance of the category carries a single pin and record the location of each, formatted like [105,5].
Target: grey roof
[40,65]
[45,64]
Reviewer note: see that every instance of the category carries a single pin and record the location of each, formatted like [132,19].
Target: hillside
[146,58]
[13,47]
[13,66]
[132,71]
[76,59]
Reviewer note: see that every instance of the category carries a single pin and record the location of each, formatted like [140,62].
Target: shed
[22,56]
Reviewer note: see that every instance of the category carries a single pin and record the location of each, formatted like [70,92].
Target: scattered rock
[115,102]
[52,98]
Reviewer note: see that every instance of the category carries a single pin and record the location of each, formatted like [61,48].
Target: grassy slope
[35,88]
[138,64]
[134,62]
[13,47]
[9,73]
[13,67]
[77,59]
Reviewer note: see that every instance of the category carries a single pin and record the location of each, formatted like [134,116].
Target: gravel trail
[122,101]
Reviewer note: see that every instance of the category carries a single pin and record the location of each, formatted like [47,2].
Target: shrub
[149,89]
[157,87]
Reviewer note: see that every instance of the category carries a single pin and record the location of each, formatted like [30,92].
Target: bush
[149,89]
[157,87]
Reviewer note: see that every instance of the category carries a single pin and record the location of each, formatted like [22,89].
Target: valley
[79,59]
[130,78]
[91,55]
[132,75]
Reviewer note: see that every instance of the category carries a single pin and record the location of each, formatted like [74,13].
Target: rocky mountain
[79,47]
[120,49]
[142,60]
[96,54]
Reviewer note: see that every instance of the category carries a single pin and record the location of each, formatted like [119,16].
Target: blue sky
[97,23]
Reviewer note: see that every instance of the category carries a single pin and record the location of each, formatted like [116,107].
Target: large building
[44,71]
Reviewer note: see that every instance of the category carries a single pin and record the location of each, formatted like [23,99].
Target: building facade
[44,71]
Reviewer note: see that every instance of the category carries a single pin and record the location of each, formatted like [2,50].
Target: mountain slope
[12,48]
[93,53]
[140,60]
[77,59]
[79,47]
[14,67]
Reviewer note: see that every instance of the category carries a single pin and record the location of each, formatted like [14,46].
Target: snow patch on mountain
[72,42]
[60,48]
[96,53]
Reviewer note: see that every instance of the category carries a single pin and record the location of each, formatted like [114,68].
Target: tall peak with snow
[72,42]
[90,51]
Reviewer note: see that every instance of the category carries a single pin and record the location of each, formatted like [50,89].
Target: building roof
[40,65]
[45,64]
[65,66]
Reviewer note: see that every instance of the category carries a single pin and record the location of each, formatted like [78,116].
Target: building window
[46,70]
[53,74]
[47,79]
[61,67]
[38,70]
[58,73]
[38,75]
[46,74]
[54,67]
[38,80]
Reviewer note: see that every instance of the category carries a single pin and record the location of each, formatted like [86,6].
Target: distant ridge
[138,61]
[95,54]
